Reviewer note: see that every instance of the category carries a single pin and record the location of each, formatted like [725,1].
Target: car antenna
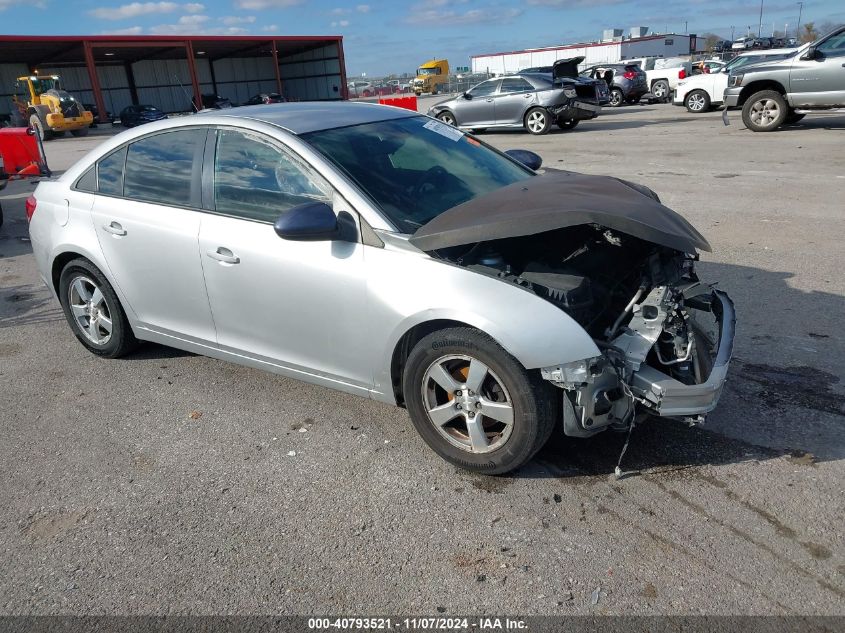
[176,77]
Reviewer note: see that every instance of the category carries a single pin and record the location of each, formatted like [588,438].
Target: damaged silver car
[383,253]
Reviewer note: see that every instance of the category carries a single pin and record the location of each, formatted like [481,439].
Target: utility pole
[798,28]
[760,26]
[685,27]
[732,33]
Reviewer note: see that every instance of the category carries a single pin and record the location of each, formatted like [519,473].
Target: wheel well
[757,86]
[406,344]
[59,265]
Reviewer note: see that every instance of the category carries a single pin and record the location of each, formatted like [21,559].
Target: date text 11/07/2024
[417,624]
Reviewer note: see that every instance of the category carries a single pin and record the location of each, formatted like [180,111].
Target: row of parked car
[138,114]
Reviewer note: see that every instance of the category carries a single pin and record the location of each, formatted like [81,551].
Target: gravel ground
[168,483]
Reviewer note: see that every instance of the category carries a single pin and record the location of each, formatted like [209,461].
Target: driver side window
[833,46]
[255,179]
[485,89]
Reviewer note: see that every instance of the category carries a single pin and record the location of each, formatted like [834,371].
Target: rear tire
[93,310]
[764,111]
[471,439]
[697,101]
[80,132]
[660,89]
[537,121]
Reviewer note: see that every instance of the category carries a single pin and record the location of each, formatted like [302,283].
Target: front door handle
[114,228]
[224,255]
[528,96]
[489,100]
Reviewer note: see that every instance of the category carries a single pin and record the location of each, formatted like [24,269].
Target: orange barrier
[20,152]
[409,103]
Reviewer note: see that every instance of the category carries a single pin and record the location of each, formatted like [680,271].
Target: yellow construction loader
[50,110]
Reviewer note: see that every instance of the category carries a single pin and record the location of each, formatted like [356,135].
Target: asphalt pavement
[169,483]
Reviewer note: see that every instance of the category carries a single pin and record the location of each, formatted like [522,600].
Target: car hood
[567,67]
[556,200]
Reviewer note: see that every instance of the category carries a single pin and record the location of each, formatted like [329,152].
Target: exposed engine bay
[658,328]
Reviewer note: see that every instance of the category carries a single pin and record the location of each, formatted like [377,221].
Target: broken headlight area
[665,337]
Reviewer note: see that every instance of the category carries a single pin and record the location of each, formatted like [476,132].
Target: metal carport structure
[171,70]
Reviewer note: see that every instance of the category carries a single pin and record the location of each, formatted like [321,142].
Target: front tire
[764,111]
[35,124]
[537,121]
[474,404]
[697,101]
[448,118]
[617,98]
[569,124]
[93,310]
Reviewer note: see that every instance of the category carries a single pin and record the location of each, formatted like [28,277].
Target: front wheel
[764,111]
[447,117]
[474,404]
[93,310]
[697,102]
[38,127]
[569,124]
[537,121]
[617,98]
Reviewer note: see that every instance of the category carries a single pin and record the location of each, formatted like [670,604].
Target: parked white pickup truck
[663,74]
[701,92]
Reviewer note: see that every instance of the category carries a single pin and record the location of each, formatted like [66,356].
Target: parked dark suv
[627,82]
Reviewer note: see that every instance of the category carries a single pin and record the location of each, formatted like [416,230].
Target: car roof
[768,51]
[312,116]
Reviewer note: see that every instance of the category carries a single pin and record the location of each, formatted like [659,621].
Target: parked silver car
[380,252]
[530,101]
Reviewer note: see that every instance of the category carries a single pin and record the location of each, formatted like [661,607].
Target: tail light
[682,73]
[629,74]
[30,207]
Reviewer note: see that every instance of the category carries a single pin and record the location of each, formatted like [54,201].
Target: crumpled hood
[556,200]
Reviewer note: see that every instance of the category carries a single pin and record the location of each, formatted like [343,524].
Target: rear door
[515,96]
[147,218]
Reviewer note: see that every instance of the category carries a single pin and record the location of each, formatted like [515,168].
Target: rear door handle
[224,255]
[114,228]
[489,100]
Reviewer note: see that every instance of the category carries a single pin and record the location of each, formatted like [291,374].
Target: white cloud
[132,30]
[340,23]
[340,11]
[136,9]
[363,8]
[193,20]
[8,4]
[270,28]
[423,16]
[257,5]
[232,20]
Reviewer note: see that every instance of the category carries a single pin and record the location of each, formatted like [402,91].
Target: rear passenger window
[110,173]
[515,84]
[165,168]
[88,180]
[255,179]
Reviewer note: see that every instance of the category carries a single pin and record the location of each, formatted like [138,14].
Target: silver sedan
[530,101]
[376,251]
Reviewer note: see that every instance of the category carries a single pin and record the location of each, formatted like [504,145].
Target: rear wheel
[537,121]
[93,310]
[568,124]
[474,404]
[764,111]
[36,124]
[660,89]
[616,98]
[697,101]
[80,132]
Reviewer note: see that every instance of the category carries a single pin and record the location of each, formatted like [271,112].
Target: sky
[394,36]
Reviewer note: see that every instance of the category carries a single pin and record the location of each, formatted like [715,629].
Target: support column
[95,81]
[192,69]
[275,52]
[130,80]
[344,92]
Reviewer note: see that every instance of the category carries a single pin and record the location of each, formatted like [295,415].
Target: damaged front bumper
[609,390]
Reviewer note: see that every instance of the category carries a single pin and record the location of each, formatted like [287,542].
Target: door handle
[528,96]
[114,228]
[224,255]
[489,100]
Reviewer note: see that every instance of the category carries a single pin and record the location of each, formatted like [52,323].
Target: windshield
[428,71]
[43,85]
[416,168]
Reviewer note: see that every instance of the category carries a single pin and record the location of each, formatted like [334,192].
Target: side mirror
[810,53]
[468,96]
[315,222]
[526,157]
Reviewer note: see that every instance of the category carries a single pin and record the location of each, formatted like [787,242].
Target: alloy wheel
[765,112]
[536,121]
[90,311]
[696,102]
[659,90]
[467,403]
[616,98]
[447,118]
